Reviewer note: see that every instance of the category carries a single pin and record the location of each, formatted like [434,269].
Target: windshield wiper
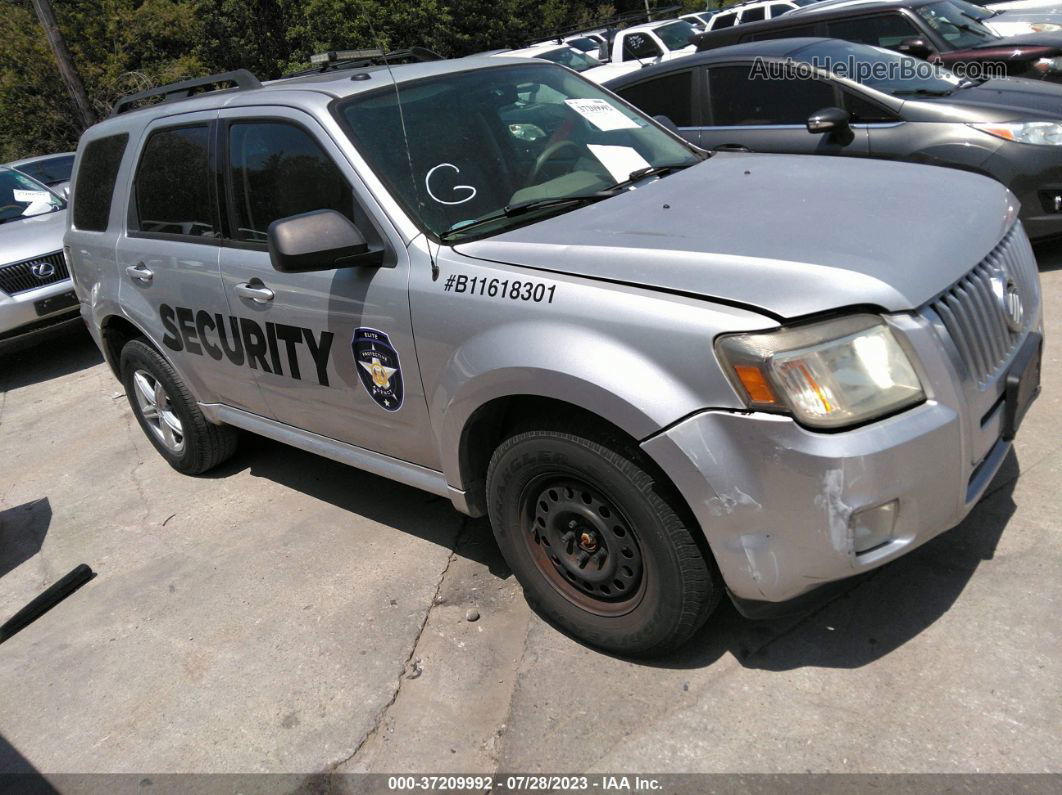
[651,171]
[513,210]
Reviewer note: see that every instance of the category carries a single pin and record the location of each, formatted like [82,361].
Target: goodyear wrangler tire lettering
[242,341]
[378,368]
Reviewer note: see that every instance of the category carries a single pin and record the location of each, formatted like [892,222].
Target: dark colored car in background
[949,32]
[1008,129]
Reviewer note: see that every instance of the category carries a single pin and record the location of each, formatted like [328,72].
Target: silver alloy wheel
[157,411]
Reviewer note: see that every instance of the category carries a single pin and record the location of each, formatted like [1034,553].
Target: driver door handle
[140,272]
[256,292]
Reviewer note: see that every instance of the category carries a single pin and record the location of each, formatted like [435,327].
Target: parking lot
[288,614]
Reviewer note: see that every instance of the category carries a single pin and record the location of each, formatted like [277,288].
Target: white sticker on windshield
[619,160]
[31,196]
[602,114]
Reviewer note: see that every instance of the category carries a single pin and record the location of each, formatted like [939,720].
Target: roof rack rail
[355,59]
[175,92]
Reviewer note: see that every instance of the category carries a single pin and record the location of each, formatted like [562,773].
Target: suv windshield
[482,141]
[573,59]
[675,35]
[958,27]
[22,197]
[884,70]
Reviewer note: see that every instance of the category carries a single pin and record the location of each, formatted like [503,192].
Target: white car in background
[582,62]
[754,11]
[1019,17]
[52,171]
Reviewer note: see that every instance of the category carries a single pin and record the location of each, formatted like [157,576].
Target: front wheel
[598,542]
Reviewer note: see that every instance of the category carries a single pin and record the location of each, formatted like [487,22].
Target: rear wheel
[169,415]
[598,541]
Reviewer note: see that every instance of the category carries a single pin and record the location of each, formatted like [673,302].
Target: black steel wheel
[599,541]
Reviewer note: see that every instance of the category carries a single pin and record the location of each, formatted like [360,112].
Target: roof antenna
[405,134]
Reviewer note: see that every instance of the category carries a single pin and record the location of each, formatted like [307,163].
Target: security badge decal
[378,367]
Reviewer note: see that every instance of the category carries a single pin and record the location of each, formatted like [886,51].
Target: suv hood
[787,234]
[32,237]
[1009,99]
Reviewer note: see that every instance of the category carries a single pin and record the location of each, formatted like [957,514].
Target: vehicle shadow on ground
[22,532]
[56,356]
[371,496]
[880,613]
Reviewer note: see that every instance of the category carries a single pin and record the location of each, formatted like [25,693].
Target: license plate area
[53,303]
[1022,385]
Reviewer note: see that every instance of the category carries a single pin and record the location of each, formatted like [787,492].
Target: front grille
[973,313]
[19,277]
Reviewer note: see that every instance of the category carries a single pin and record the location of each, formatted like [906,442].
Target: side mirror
[603,54]
[915,47]
[66,191]
[665,121]
[829,120]
[318,241]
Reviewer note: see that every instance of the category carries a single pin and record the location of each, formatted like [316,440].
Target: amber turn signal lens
[755,383]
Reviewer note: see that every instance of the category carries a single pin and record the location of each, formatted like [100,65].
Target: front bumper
[775,500]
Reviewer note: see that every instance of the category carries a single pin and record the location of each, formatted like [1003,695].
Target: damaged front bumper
[785,509]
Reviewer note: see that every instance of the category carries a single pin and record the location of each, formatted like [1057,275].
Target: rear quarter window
[94,189]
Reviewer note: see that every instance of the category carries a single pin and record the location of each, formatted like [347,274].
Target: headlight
[830,374]
[1044,27]
[1043,133]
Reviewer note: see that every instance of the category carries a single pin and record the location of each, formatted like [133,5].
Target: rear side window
[881,31]
[665,96]
[723,21]
[756,14]
[276,170]
[739,100]
[95,182]
[172,187]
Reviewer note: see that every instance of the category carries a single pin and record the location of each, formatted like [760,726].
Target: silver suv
[36,294]
[664,376]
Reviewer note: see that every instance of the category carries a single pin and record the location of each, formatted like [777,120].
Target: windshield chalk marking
[427,185]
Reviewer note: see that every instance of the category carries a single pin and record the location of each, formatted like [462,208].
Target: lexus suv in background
[944,31]
[36,293]
[1009,129]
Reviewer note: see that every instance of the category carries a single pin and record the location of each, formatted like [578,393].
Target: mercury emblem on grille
[1006,290]
[42,270]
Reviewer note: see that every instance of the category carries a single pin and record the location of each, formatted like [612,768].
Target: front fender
[564,362]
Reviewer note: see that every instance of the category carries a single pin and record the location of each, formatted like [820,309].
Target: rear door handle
[140,272]
[256,292]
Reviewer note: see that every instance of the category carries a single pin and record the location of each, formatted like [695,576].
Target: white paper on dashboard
[31,196]
[619,160]
[602,114]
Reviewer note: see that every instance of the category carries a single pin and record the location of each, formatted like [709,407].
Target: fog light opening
[872,528]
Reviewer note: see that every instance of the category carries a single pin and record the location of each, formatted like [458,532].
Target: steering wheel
[12,207]
[548,154]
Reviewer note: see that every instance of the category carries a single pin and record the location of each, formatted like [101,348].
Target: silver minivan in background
[664,375]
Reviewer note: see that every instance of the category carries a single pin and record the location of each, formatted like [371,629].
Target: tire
[179,431]
[543,484]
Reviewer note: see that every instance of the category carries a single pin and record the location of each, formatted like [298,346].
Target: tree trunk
[66,64]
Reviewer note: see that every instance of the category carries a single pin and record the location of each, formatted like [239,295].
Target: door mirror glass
[915,47]
[318,241]
[828,120]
